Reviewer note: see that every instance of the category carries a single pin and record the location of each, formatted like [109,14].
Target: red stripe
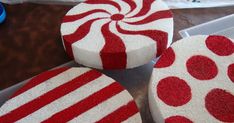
[86,104]
[121,114]
[111,2]
[49,97]
[153,17]
[80,33]
[39,79]
[70,18]
[159,37]
[132,4]
[113,54]
[146,6]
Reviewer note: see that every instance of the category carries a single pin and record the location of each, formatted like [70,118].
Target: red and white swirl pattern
[74,95]
[117,34]
[192,82]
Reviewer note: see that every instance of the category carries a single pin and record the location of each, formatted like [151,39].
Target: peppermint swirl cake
[117,34]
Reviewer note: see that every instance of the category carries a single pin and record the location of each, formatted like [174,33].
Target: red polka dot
[166,59]
[173,91]
[231,72]
[220,45]
[178,119]
[201,67]
[117,17]
[220,104]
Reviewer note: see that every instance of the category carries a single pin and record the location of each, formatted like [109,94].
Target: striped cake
[117,34]
[75,95]
[193,82]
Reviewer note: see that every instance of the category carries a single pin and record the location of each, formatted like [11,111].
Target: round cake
[193,82]
[78,95]
[118,34]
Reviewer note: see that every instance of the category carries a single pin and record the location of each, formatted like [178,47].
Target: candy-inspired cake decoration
[71,95]
[173,91]
[220,104]
[192,82]
[177,119]
[220,45]
[118,34]
[201,67]
[166,59]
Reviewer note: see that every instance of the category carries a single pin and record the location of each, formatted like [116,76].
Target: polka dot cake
[117,34]
[74,95]
[193,82]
